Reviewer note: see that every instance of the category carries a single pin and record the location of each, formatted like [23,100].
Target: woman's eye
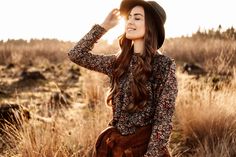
[130,17]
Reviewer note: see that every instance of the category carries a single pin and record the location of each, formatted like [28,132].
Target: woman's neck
[138,46]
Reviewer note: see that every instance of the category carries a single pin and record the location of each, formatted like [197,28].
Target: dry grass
[69,132]
[206,52]
[204,125]
[34,51]
[204,122]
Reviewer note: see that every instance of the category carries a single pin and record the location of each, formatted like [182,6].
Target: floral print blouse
[162,87]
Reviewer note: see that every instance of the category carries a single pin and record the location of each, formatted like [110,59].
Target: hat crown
[159,10]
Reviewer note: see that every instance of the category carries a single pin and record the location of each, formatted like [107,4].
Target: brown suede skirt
[111,143]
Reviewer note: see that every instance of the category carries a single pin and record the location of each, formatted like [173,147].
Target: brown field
[68,108]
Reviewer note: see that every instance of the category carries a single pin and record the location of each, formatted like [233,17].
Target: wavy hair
[143,69]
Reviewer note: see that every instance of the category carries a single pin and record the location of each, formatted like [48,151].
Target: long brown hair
[143,70]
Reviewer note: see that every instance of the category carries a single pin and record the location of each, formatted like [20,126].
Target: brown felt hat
[156,10]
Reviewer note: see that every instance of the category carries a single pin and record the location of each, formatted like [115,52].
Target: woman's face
[135,24]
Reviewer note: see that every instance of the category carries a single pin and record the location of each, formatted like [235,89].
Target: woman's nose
[130,21]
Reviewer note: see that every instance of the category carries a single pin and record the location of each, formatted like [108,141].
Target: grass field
[205,115]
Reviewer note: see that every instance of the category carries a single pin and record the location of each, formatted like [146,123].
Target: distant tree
[229,33]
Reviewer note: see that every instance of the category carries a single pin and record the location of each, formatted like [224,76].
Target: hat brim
[125,7]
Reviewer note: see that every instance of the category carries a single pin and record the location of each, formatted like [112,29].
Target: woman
[143,82]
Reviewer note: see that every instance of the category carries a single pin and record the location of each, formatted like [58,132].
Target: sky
[69,20]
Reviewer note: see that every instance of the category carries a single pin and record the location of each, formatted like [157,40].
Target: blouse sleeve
[165,105]
[82,56]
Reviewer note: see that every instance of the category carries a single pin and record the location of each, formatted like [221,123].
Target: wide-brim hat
[156,10]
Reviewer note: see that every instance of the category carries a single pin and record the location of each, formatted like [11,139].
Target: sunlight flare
[115,32]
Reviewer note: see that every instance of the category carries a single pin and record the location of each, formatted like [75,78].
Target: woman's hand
[111,20]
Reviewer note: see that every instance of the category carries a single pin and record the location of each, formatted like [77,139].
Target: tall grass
[33,51]
[205,120]
[207,52]
[215,55]
[204,123]
[72,132]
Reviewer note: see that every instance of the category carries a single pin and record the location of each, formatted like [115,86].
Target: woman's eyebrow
[136,14]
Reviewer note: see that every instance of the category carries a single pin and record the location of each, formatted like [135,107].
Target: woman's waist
[129,127]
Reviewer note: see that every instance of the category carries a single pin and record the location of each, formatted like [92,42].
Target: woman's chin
[130,37]
[133,36]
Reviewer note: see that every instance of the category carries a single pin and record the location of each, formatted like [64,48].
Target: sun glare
[115,32]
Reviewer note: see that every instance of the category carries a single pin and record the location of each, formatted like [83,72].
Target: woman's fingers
[112,19]
[115,10]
